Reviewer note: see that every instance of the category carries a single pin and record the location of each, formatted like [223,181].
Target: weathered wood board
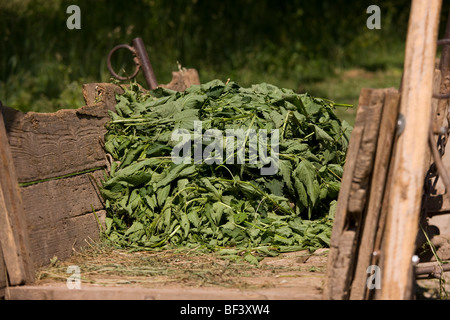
[46,147]
[375,199]
[3,276]
[139,293]
[60,216]
[14,240]
[49,145]
[408,168]
[354,193]
[183,79]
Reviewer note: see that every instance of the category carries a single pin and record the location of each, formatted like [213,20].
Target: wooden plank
[336,280]
[353,194]
[408,176]
[3,276]
[95,93]
[63,236]
[51,201]
[183,79]
[366,156]
[59,215]
[379,176]
[13,236]
[49,145]
[133,293]
[10,245]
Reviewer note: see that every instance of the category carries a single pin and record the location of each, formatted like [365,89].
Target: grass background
[322,47]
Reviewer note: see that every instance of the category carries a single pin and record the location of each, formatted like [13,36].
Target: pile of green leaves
[153,202]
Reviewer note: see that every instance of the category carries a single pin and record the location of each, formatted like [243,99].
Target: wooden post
[13,229]
[350,211]
[377,194]
[408,169]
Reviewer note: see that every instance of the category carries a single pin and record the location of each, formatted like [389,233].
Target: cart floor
[108,273]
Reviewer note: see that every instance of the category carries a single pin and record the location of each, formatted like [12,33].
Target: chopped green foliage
[153,202]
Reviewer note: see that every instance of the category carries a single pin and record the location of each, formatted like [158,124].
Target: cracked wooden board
[49,145]
[14,242]
[354,193]
[47,149]
[377,193]
[411,151]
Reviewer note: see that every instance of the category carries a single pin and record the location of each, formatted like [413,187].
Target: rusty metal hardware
[437,154]
[441,96]
[434,270]
[140,59]
[443,42]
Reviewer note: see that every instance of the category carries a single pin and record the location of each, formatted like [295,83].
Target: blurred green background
[321,46]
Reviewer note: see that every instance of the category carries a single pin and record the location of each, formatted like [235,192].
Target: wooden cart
[392,170]
[386,191]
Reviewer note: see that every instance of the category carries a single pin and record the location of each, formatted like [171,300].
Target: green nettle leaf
[240,217]
[336,169]
[275,187]
[185,225]
[285,170]
[306,174]
[322,135]
[227,207]
[217,212]
[277,119]
[251,258]
[108,224]
[194,219]
[122,106]
[162,194]
[135,227]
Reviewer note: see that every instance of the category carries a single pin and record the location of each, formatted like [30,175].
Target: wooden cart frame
[379,206]
[392,154]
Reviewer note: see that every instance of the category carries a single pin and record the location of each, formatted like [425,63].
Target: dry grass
[108,266]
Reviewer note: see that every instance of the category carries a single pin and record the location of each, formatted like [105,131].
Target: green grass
[293,44]
[343,86]
[346,86]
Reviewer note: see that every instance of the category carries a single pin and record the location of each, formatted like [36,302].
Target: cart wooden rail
[382,201]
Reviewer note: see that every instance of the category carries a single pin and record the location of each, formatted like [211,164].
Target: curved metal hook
[135,59]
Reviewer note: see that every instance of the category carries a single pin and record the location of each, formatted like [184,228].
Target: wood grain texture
[406,190]
[60,217]
[375,199]
[63,236]
[3,275]
[51,201]
[361,196]
[183,79]
[49,145]
[13,236]
[95,93]
[58,213]
[366,155]
[338,262]
[356,187]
